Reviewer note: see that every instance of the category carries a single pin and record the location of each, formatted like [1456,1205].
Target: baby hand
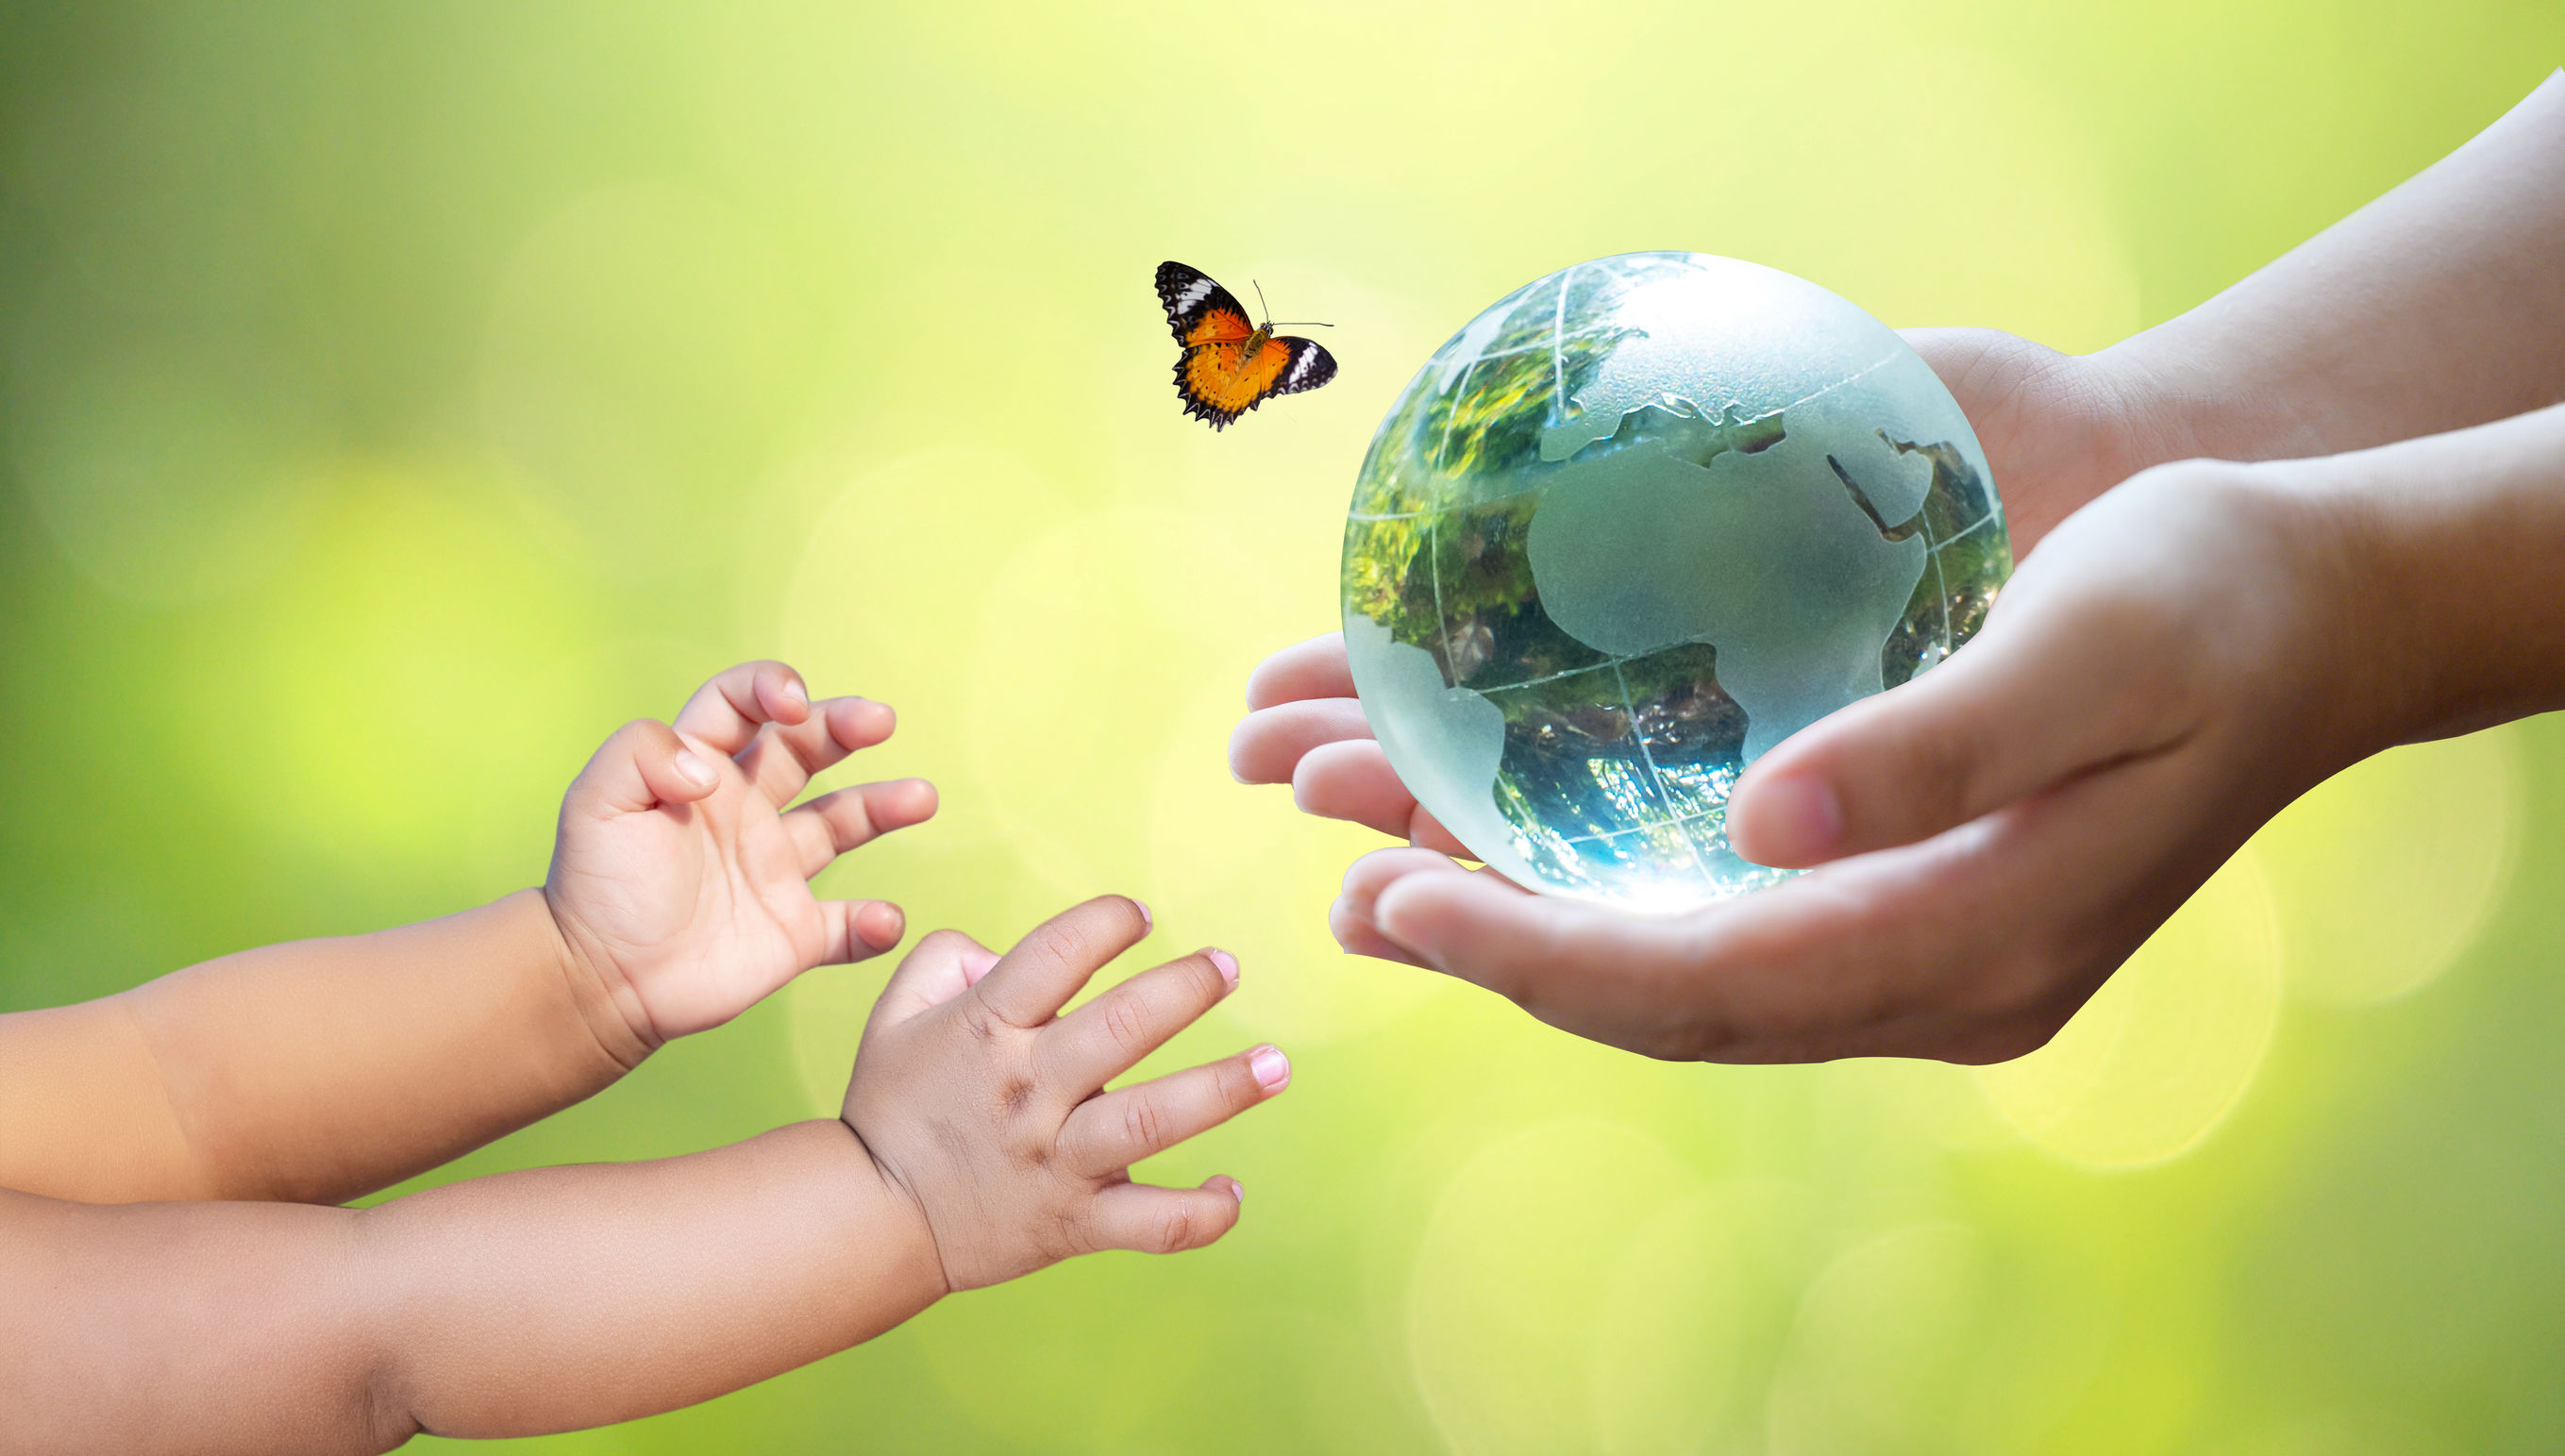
[982,1102]
[681,881]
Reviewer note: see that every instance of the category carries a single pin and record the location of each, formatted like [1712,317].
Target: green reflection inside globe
[1639,522]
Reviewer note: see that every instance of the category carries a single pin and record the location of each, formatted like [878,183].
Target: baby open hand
[976,1096]
[679,877]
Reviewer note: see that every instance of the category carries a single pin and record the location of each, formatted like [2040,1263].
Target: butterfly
[1229,368]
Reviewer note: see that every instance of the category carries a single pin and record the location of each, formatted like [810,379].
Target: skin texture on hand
[321,1070]
[2178,660]
[987,1104]
[978,1144]
[680,880]
[2178,656]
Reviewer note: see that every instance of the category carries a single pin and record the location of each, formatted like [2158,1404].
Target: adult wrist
[2180,394]
[2458,540]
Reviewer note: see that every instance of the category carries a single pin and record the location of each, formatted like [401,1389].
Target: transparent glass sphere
[1640,520]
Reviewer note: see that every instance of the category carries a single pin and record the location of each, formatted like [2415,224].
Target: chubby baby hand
[975,1095]
[680,880]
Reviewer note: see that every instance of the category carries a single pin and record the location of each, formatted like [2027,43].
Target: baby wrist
[607,1008]
[916,1252]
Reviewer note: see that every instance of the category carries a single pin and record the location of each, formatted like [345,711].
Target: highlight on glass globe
[1640,520]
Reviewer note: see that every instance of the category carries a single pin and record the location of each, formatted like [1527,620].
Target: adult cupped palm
[2183,651]
[1919,950]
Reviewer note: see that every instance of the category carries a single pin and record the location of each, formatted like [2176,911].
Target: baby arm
[325,1069]
[975,1145]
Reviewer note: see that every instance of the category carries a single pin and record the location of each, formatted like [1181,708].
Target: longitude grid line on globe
[1656,785]
[1558,347]
[1433,569]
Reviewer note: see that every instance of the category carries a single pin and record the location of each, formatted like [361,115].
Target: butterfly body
[1230,365]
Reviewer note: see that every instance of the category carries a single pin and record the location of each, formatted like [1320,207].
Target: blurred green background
[397,397]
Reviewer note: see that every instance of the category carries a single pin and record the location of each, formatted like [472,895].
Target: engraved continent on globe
[1639,522]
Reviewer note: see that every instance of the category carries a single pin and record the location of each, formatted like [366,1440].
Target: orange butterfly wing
[1228,369]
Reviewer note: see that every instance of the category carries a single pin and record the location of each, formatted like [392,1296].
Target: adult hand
[2178,660]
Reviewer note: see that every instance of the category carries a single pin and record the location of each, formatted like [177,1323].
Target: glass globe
[1640,520]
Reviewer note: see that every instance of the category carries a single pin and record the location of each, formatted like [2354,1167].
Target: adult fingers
[1109,1035]
[1352,917]
[1651,985]
[644,765]
[1106,1134]
[1353,781]
[2035,700]
[1269,743]
[727,711]
[858,931]
[783,757]
[837,822]
[1355,932]
[1315,668]
[1157,1220]
[1973,946]
[1034,980]
[944,965]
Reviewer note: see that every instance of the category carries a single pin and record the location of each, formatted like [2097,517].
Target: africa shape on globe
[1636,524]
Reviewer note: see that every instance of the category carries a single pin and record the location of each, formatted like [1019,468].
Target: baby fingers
[781,759]
[644,765]
[1157,1220]
[1031,982]
[1109,1133]
[944,965]
[1109,1035]
[727,711]
[836,823]
[860,929]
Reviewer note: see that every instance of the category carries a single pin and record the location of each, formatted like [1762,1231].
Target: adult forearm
[2438,306]
[525,1302]
[312,1072]
[2458,550]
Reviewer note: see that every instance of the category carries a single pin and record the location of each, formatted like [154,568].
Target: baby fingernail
[692,769]
[1225,964]
[794,692]
[1148,922]
[1270,1068]
[899,920]
[1238,1190]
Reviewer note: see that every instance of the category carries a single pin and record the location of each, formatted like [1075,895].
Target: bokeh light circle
[2385,873]
[2167,1046]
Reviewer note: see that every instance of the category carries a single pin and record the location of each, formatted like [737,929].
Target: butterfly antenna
[1285,324]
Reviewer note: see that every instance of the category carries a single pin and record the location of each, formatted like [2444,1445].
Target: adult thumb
[2032,702]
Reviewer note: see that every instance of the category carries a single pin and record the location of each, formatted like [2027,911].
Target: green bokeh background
[398,397]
